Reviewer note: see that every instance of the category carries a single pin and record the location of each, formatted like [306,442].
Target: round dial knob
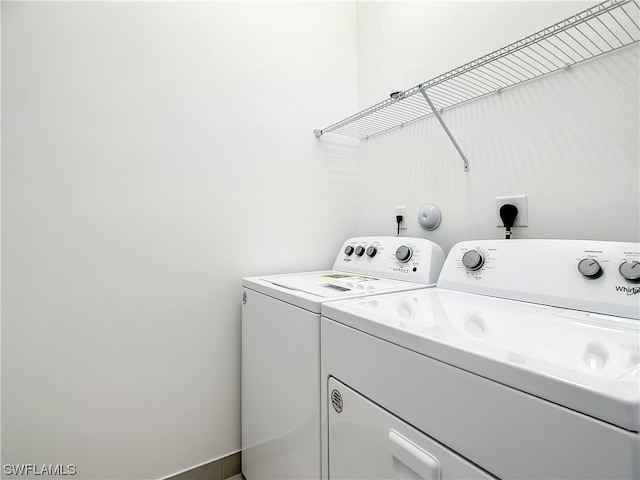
[630,270]
[403,253]
[348,251]
[590,268]
[359,250]
[371,251]
[472,260]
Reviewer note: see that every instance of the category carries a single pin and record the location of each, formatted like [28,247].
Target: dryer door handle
[414,457]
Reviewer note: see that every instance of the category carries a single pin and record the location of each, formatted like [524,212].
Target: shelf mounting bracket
[445,128]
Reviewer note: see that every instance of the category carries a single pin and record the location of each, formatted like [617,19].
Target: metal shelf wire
[601,29]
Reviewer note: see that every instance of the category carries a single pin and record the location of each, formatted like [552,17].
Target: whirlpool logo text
[628,290]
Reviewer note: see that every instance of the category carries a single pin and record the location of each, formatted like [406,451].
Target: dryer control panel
[415,260]
[594,276]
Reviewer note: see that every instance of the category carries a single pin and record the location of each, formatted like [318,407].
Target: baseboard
[221,469]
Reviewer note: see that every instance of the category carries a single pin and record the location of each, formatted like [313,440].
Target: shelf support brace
[444,126]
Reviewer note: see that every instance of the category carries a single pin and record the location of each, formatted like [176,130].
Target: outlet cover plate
[520,201]
[402,210]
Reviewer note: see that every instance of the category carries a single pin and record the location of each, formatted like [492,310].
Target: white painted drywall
[569,141]
[153,153]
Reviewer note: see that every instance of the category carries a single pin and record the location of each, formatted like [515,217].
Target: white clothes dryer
[281,346]
[522,363]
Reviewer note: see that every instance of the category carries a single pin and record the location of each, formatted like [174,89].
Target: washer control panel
[402,258]
[595,276]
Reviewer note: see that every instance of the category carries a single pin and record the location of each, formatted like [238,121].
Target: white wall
[569,141]
[155,153]
[152,155]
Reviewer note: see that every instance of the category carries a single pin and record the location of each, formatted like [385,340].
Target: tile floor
[227,468]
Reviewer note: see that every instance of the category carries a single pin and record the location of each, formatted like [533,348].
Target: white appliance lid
[332,285]
[587,362]
[309,290]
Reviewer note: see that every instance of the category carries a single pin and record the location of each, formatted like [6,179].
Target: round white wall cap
[429,216]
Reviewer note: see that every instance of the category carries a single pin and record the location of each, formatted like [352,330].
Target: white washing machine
[281,346]
[522,363]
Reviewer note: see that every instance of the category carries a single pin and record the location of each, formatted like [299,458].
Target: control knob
[371,251]
[630,270]
[359,250]
[348,251]
[403,254]
[590,268]
[472,260]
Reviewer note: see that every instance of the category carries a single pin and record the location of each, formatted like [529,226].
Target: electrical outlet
[520,201]
[402,210]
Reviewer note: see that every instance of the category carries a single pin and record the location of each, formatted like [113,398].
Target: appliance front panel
[366,441]
[280,390]
[501,429]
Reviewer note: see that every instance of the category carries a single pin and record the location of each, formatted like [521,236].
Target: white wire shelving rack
[601,29]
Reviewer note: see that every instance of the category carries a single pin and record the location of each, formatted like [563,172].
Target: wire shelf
[601,29]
